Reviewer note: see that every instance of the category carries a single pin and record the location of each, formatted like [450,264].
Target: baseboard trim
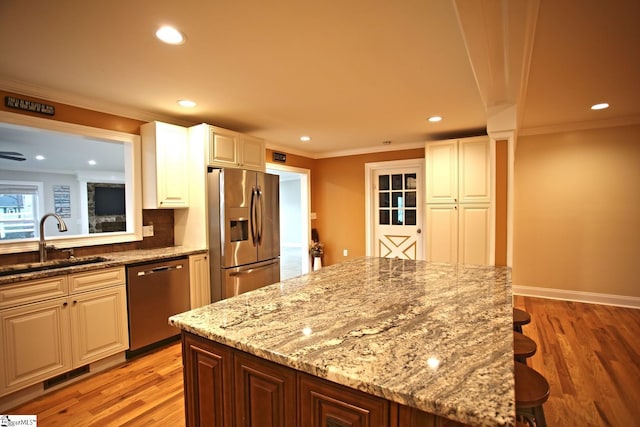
[578,296]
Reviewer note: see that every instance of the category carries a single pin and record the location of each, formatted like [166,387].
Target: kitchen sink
[49,265]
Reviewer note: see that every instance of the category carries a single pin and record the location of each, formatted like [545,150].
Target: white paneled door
[396,209]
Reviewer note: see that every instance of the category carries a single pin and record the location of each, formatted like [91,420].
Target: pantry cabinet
[459,203]
[165,168]
[233,149]
[53,325]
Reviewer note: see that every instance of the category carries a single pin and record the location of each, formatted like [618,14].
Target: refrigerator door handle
[252,217]
[260,214]
[250,270]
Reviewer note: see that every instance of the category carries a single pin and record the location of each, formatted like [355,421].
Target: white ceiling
[349,73]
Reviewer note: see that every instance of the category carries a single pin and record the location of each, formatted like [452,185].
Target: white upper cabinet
[442,172]
[459,171]
[252,153]
[232,149]
[165,173]
[474,170]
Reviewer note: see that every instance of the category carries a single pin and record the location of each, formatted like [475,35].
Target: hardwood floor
[145,391]
[590,354]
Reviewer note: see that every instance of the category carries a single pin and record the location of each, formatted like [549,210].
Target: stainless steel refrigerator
[244,230]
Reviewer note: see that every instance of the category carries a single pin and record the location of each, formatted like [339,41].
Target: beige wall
[577,211]
[338,198]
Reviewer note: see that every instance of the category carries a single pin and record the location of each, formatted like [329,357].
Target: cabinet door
[98,324]
[252,153]
[442,233]
[200,289]
[165,153]
[326,404]
[474,238]
[35,343]
[208,382]
[223,148]
[265,393]
[474,164]
[172,154]
[442,172]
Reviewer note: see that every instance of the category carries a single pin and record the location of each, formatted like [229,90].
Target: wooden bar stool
[532,390]
[523,347]
[520,318]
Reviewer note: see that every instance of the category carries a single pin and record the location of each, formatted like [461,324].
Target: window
[397,199]
[19,205]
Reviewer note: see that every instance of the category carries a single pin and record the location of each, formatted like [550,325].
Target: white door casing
[394,215]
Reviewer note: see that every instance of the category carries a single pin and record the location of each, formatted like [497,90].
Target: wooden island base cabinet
[227,387]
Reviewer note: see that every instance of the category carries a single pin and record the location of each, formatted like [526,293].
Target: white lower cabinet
[98,324]
[36,343]
[474,230]
[442,233]
[44,338]
[459,233]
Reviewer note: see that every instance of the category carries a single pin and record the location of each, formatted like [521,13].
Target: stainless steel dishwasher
[155,291]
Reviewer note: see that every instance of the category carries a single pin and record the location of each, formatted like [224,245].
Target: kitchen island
[409,342]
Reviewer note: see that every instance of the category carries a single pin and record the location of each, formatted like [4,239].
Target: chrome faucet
[62,227]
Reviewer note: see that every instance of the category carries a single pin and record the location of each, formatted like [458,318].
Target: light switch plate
[147,231]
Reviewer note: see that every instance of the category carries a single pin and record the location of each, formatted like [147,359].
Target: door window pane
[383,182]
[384,217]
[396,182]
[410,199]
[410,217]
[383,200]
[397,200]
[410,181]
[396,217]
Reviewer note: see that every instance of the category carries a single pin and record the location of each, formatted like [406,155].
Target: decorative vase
[317,263]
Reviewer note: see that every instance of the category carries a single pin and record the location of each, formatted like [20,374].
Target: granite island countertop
[12,273]
[436,337]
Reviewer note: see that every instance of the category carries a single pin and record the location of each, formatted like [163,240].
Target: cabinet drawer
[15,294]
[96,279]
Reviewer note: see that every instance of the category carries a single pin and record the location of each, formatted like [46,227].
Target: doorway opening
[295,222]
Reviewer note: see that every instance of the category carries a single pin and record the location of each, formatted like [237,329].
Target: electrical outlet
[345,252]
[147,230]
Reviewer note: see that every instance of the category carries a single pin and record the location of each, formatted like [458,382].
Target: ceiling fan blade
[16,158]
[12,153]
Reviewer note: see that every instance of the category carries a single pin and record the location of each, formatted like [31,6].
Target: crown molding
[584,125]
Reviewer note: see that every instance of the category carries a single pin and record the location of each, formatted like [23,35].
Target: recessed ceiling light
[434,119]
[186,103]
[40,157]
[92,162]
[305,138]
[170,35]
[600,106]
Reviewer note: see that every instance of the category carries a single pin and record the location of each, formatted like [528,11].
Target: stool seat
[532,390]
[520,318]
[523,346]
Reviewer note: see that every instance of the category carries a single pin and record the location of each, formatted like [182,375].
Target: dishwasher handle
[160,269]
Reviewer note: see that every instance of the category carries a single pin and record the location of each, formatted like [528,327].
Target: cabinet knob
[419,231]
[64,304]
